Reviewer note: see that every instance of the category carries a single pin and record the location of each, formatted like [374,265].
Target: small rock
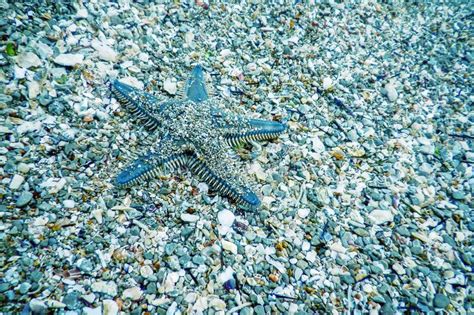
[327,84]
[105,52]
[379,217]
[398,269]
[303,212]
[37,306]
[29,126]
[110,307]
[441,301]
[16,182]
[23,168]
[33,89]
[170,86]
[92,311]
[69,60]
[134,293]
[146,271]
[69,204]
[186,217]
[392,93]
[226,218]
[82,13]
[229,246]
[109,288]
[44,50]
[28,60]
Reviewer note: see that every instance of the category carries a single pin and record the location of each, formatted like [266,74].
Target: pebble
[146,271]
[134,293]
[229,246]
[38,306]
[392,93]
[170,86]
[92,311]
[441,301]
[104,51]
[186,217]
[69,60]
[16,181]
[303,212]
[109,288]
[327,84]
[69,204]
[380,217]
[110,307]
[28,60]
[226,218]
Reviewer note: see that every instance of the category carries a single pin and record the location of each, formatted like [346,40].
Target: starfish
[196,132]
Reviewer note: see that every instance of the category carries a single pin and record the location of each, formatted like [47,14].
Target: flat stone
[109,288]
[379,217]
[170,86]
[441,301]
[69,60]
[110,307]
[226,218]
[28,60]
[134,293]
[104,51]
[392,93]
[24,199]
[186,217]
[16,181]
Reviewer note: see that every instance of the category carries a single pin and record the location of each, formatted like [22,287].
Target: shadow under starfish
[196,132]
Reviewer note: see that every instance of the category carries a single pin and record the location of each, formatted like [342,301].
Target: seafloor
[366,198]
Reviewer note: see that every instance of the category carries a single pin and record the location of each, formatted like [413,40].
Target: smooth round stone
[259,310]
[24,199]
[226,218]
[303,212]
[69,204]
[441,301]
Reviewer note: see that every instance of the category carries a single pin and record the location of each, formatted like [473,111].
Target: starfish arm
[195,88]
[242,130]
[143,106]
[223,184]
[169,155]
[258,130]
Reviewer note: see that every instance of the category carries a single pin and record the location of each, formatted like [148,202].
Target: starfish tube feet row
[259,130]
[242,195]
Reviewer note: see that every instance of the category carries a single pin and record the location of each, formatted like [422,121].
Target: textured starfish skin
[195,132]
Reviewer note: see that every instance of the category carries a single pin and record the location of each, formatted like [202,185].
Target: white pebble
[82,13]
[97,214]
[110,307]
[398,269]
[44,50]
[327,83]
[146,271]
[109,288]
[186,217]
[16,182]
[379,217]
[28,60]
[105,52]
[69,59]
[29,126]
[229,246]
[392,93]
[92,311]
[33,89]
[303,212]
[69,203]
[226,217]
[170,86]
[134,293]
